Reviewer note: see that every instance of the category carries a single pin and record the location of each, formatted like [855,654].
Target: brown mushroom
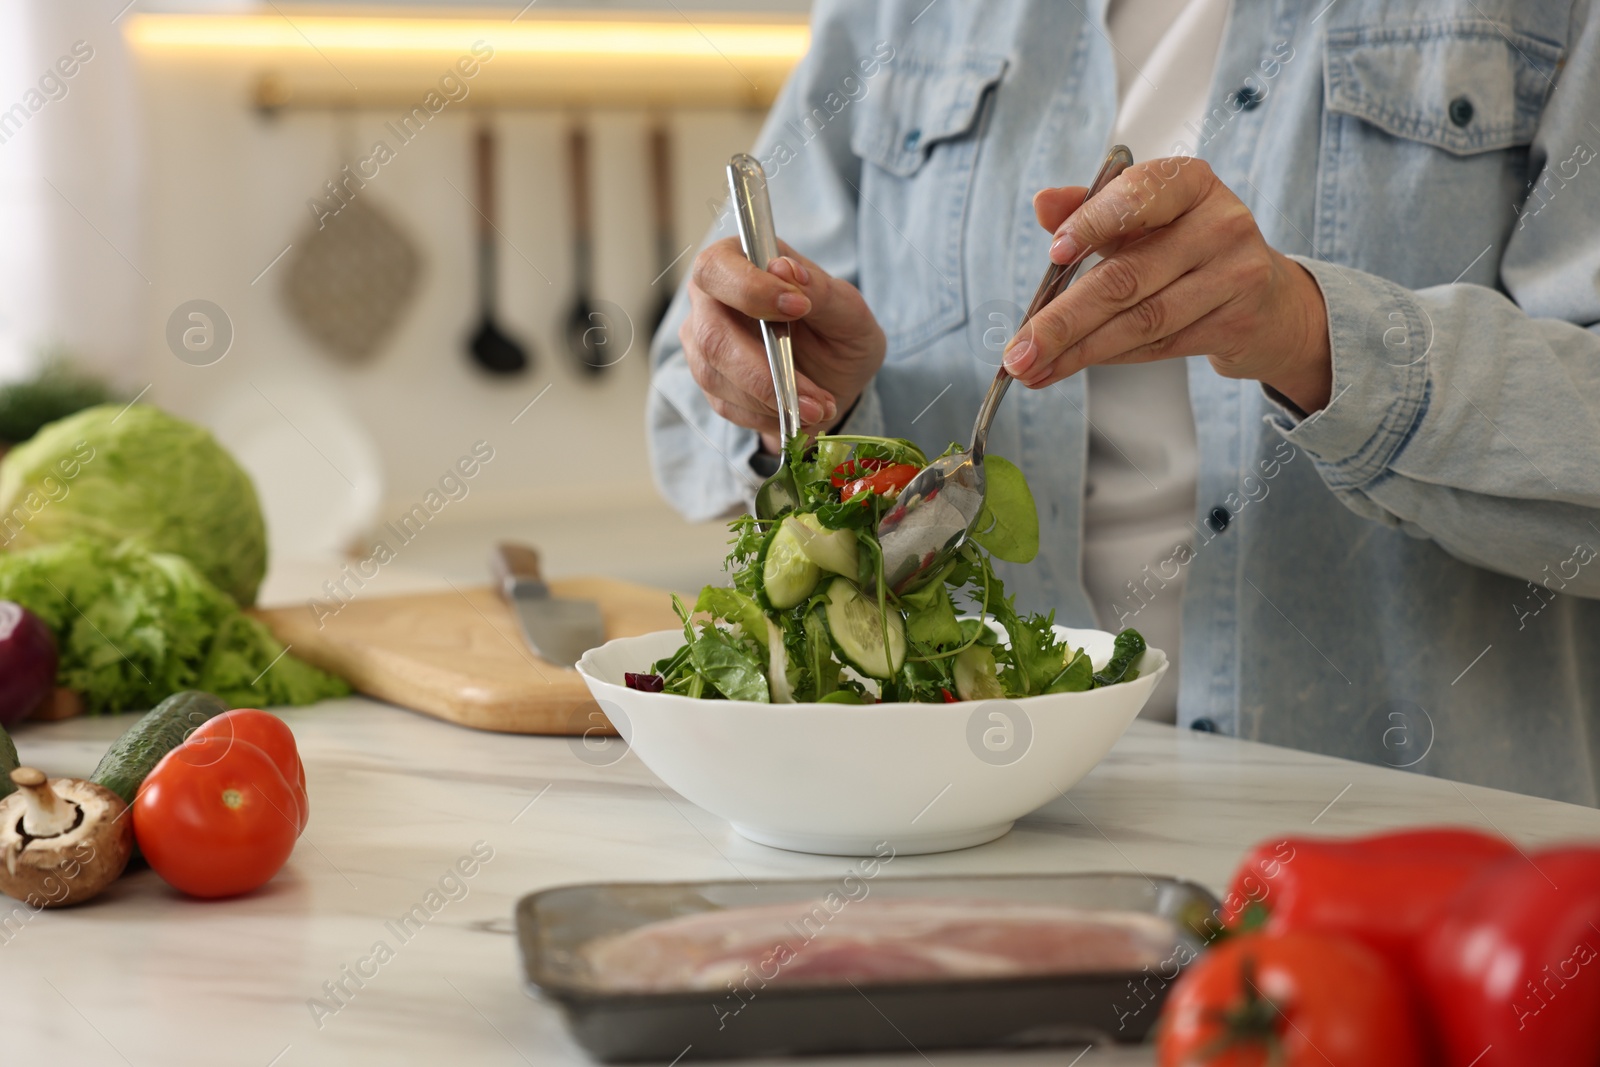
[62,839]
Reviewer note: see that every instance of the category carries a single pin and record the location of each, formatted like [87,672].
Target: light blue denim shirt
[1407,577]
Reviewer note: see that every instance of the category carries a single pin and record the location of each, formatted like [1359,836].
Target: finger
[1052,206]
[837,308]
[763,422]
[722,271]
[1146,196]
[1115,284]
[729,360]
[1199,338]
[1160,315]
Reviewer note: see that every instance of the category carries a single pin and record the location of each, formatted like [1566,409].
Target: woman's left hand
[1186,273]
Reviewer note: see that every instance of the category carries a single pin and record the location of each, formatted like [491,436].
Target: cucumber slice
[778,666]
[975,675]
[857,630]
[788,576]
[837,551]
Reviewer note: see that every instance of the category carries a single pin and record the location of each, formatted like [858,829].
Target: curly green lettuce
[135,626]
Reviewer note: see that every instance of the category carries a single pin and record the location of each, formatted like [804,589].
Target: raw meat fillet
[860,941]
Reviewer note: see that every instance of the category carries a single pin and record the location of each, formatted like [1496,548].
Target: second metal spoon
[939,507]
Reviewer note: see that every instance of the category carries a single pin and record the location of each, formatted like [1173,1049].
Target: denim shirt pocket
[917,135]
[1421,120]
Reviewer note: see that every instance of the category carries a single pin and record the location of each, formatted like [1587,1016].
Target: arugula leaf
[736,674]
[1009,524]
[1129,646]
[735,607]
[923,680]
[860,512]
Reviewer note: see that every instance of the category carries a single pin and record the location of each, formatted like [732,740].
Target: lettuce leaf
[1008,526]
[135,626]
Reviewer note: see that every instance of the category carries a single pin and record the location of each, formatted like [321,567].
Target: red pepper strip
[1511,968]
[949,697]
[851,468]
[1382,890]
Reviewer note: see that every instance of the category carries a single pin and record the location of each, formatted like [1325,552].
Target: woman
[1322,420]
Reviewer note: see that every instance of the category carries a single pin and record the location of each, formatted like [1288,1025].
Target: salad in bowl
[808,617]
[816,710]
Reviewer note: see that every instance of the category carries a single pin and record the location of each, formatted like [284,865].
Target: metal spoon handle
[1056,278]
[747,184]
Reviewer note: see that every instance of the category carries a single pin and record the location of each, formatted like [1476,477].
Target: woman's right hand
[838,345]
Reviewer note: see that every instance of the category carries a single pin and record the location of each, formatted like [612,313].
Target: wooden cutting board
[460,655]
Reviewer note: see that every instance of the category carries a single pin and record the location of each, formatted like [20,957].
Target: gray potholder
[350,280]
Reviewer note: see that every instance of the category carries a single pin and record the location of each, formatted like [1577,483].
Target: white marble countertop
[142,976]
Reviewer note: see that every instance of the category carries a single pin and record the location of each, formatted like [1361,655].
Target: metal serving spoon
[939,507]
[747,183]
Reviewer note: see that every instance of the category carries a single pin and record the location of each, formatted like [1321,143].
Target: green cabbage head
[113,474]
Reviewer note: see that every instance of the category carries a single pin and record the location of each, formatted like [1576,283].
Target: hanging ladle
[492,348]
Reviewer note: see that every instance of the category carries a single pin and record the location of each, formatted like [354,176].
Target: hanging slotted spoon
[939,507]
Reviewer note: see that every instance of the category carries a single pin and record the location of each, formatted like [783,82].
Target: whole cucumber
[8,762]
[163,728]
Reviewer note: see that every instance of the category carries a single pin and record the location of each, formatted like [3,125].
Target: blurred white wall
[146,186]
[73,269]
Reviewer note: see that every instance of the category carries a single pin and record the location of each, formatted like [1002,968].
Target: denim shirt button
[1220,517]
[912,139]
[1461,111]
[1248,97]
[1204,725]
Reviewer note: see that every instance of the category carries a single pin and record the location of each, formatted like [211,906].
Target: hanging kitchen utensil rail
[542,58]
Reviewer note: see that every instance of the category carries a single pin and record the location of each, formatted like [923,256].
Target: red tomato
[271,735]
[216,817]
[850,468]
[1290,1000]
[889,479]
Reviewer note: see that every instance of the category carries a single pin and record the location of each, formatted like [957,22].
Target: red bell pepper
[1511,967]
[1381,890]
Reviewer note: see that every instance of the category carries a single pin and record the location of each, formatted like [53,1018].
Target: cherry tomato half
[216,817]
[890,479]
[271,735]
[851,469]
[1297,1000]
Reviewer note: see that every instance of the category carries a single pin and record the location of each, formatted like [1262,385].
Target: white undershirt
[1140,494]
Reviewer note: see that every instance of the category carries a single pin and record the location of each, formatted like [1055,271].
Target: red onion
[27,662]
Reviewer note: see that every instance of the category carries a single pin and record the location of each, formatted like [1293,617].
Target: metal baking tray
[901,1016]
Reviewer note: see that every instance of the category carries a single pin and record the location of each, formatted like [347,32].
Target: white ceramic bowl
[844,779]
